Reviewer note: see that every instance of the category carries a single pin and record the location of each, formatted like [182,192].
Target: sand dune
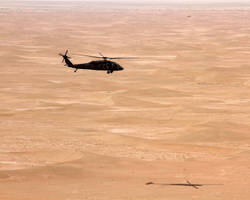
[180,112]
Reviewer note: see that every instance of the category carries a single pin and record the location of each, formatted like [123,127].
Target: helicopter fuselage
[104,65]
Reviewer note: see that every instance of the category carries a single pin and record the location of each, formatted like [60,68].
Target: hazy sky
[235,2]
[142,1]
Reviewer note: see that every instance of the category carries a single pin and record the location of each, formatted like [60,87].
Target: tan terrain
[181,115]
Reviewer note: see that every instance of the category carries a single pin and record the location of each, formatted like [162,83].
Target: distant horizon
[144,1]
[204,4]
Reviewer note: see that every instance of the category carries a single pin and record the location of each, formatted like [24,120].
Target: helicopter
[105,64]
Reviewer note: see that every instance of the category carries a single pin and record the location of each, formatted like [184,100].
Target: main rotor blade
[119,58]
[66,52]
[108,58]
[144,57]
[88,56]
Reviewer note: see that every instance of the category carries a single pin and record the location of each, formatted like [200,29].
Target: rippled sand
[180,114]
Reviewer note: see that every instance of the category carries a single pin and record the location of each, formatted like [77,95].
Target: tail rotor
[64,56]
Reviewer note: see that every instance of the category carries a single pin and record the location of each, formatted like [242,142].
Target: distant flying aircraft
[104,65]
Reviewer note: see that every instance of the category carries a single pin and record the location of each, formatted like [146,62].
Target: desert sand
[180,114]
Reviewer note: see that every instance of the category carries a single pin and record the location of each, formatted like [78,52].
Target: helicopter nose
[121,68]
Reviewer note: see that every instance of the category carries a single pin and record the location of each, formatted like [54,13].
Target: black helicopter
[105,64]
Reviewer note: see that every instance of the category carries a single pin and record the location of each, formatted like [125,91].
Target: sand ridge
[179,115]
